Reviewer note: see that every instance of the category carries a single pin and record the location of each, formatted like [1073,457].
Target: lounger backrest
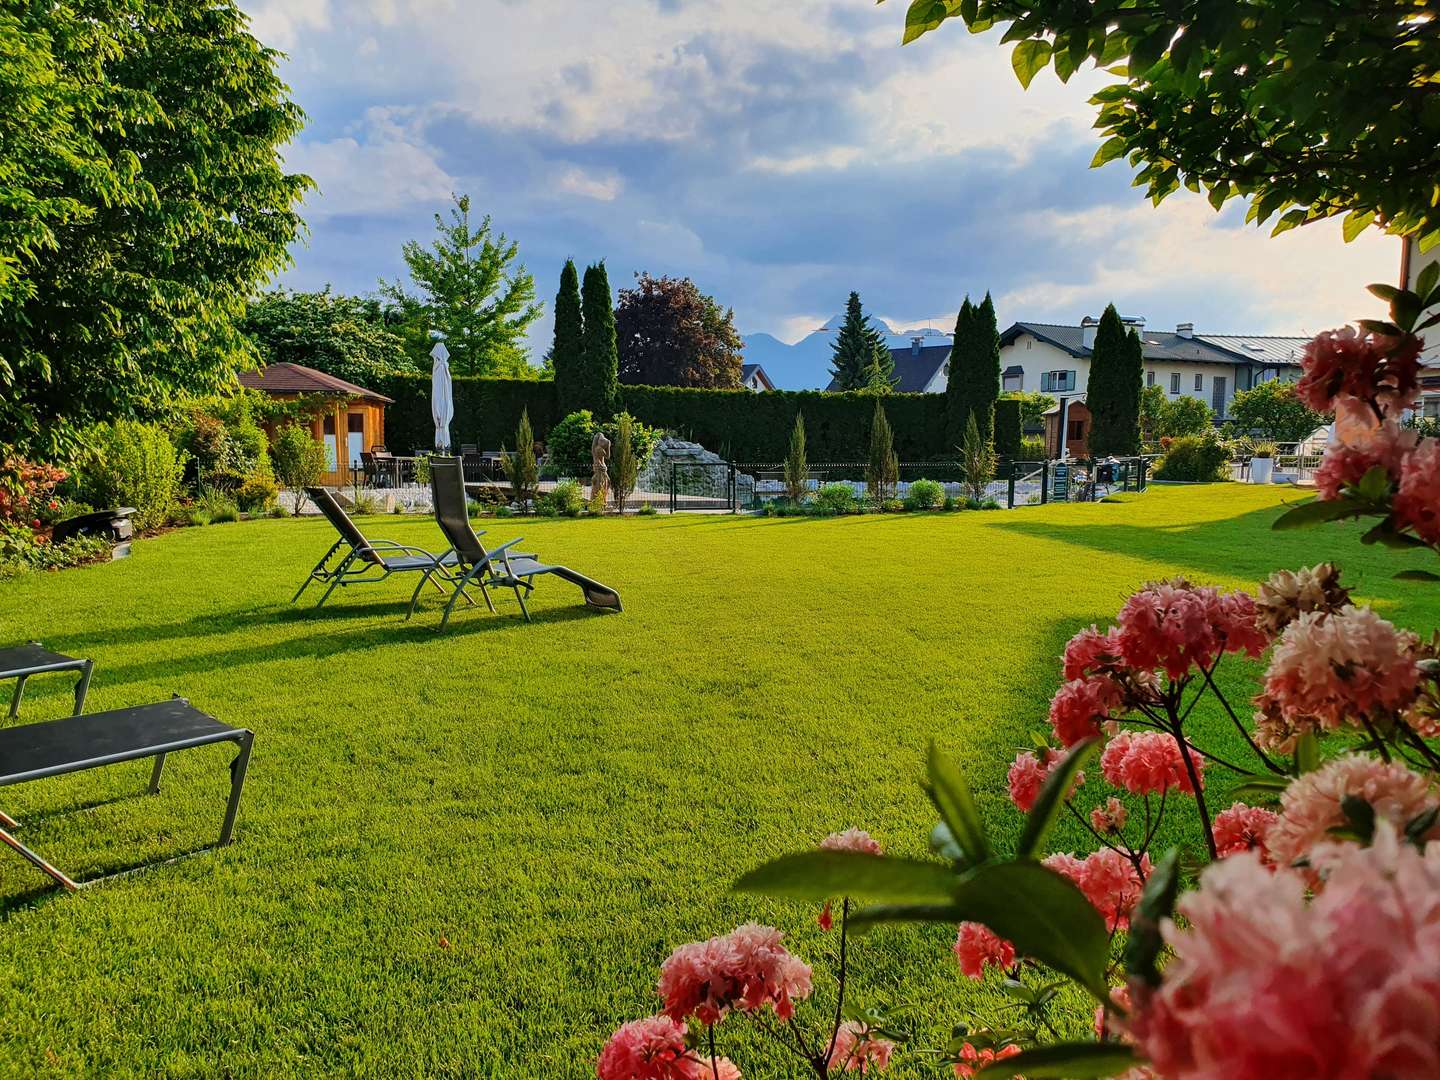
[335,514]
[447,486]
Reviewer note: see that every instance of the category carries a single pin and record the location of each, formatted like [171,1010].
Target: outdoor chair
[489,568]
[364,560]
[33,658]
[77,743]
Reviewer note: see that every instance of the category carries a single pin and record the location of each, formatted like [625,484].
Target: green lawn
[561,803]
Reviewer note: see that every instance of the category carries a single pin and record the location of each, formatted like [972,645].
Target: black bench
[77,743]
[23,661]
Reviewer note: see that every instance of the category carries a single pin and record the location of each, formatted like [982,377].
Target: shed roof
[287,378]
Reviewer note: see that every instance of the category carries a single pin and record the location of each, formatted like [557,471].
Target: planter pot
[1262,470]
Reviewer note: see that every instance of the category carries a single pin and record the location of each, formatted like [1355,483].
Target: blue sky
[781,154]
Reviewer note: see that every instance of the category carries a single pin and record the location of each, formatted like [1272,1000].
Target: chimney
[1088,326]
[1185,329]
[915,344]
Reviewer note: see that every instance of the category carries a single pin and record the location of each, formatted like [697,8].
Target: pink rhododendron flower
[977,945]
[1171,625]
[746,969]
[1347,461]
[1092,653]
[1108,880]
[649,1049]
[1312,805]
[1417,502]
[1080,707]
[1110,817]
[973,1060]
[1288,594]
[857,840]
[1329,669]
[1242,828]
[1369,367]
[1028,772]
[858,1049]
[1146,762]
[1264,985]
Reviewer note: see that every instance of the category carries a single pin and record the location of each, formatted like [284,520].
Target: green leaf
[1375,484]
[1307,754]
[1157,901]
[1356,222]
[1417,575]
[1427,280]
[1041,912]
[952,797]
[1418,827]
[1380,289]
[1028,58]
[1361,816]
[1381,326]
[1262,785]
[1109,150]
[875,914]
[822,875]
[923,16]
[1315,512]
[1053,794]
[1387,534]
[1146,52]
[1075,1061]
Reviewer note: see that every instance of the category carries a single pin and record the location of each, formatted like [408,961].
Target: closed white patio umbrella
[442,397]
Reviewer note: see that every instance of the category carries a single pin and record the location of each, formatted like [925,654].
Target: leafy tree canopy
[144,201]
[470,288]
[1308,109]
[1272,410]
[345,336]
[671,334]
[1033,405]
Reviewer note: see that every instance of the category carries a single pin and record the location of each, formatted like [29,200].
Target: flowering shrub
[26,490]
[1308,943]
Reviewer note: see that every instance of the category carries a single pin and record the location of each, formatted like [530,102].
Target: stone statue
[599,473]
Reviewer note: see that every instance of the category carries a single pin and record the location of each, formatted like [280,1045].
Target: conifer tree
[973,386]
[520,467]
[883,469]
[797,470]
[1112,393]
[567,354]
[597,388]
[858,350]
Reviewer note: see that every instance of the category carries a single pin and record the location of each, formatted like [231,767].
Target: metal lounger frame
[239,766]
[22,675]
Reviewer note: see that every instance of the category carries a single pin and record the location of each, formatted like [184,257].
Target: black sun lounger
[77,743]
[497,568]
[365,560]
[23,661]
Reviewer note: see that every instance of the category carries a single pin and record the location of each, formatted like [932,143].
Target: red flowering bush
[26,490]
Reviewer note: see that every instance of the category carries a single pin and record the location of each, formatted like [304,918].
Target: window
[1174,382]
[1432,408]
[1014,382]
[1053,381]
[1199,383]
[1150,378]
[1077,430]
[1029,343]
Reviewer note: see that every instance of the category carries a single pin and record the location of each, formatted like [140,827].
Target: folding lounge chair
[33,658]
[365,560]
[77,743]
[497,568]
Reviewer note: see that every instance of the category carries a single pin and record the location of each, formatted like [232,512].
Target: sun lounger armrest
[500,552]
[387,547]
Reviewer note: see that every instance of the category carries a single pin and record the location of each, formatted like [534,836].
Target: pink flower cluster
[1386,446]
[654,1049]
[973,1061]
[1242,828]
[1417,502]
[1343,667]
[1167,626]
[1264,984]
[856,840]
[977,945]
[1108,880]
[746,970]
[1344,363]
[1313,804]
[858,1049]
[1028,773]
[1146,762]
[1110,817]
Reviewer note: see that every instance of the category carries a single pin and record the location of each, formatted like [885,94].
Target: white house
[1411,263]
[919,368]
[753,377]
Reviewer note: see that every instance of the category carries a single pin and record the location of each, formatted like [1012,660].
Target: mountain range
[805,365]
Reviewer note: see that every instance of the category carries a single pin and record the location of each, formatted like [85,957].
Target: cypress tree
[566,355]
[598,384]
[973,386]
[1112,393]
[883,470]
[857,350]
[797,471]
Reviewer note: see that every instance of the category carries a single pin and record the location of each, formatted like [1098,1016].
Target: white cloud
[383,174]
[280,23]
[1302,281]
[577,181]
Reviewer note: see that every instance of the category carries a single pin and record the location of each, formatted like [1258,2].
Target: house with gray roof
[919,368]
[753,377]
[1055,359]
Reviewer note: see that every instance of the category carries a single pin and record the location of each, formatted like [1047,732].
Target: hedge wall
[738,424]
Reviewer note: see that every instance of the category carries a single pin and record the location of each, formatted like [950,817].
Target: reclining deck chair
[366,560]
[497,568]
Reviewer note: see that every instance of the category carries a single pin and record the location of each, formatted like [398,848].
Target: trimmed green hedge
[738,424]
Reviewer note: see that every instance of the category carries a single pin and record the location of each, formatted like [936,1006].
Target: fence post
[734,489]
[1010,497]
[1044,482]
[1141,484]
[672,487]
